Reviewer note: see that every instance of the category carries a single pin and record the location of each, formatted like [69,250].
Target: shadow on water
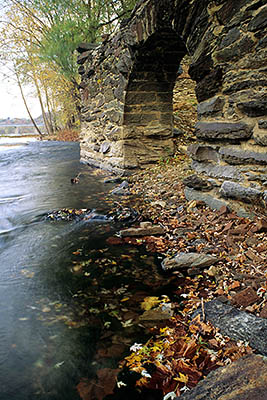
[68,302]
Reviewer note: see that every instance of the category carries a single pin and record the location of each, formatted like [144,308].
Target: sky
[11,103]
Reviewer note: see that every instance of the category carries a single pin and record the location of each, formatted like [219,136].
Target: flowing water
[63,291]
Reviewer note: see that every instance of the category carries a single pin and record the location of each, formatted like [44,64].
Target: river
[68,301]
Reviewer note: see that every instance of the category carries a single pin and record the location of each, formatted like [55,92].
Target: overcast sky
[11,103]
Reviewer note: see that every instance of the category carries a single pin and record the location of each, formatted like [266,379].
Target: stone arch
[148,109]
[228,46]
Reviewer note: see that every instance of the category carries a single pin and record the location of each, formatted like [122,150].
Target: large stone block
[245,84]
[210,200]
[237,156]
[259,22]
[238,325]
[262,124]
[200,152]
[260,138]
[230,131]
[217,171]
[211,107]
[254,108]
[232,36]
[233,190]
[236,50]
[210,85]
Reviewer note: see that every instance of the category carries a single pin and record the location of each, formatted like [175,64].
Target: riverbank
[226,258]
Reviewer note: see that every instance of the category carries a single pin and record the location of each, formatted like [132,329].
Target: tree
[42,36]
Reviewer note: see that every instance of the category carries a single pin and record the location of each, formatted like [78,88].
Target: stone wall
[127,89]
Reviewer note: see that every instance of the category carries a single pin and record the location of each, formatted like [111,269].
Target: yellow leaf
[182,378]
[125,299]
[149,302]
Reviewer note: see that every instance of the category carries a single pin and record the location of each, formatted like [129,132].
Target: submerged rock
[145,229]
[122,189]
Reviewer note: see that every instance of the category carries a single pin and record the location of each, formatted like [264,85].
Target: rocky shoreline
[227,246]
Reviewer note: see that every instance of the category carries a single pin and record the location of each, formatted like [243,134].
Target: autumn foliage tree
[39,40]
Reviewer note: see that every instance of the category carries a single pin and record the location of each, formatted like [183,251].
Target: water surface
[68,301]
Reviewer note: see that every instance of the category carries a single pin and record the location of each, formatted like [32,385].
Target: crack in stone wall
[127,89]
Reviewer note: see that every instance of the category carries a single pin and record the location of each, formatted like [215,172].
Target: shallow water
[60,312]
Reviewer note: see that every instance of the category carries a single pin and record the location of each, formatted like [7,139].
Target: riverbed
[69,302]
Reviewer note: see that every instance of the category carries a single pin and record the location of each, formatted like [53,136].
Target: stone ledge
[244,379]
[234,156]
[229,131]
[238,325]
[213,202]
[217,171]
[233,190]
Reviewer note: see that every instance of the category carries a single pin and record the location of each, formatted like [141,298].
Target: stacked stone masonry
[127,90]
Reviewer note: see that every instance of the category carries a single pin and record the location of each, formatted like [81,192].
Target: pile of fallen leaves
[65,135]
[181,354]
[176,357]
[68,214]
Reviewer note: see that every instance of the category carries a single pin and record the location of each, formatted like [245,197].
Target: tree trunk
[26,105]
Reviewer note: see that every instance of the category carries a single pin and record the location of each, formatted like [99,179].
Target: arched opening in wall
[148,112]
[184,106]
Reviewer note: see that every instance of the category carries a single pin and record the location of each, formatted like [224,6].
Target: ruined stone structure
[127,85]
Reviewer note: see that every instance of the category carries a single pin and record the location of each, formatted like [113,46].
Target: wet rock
[235,191]
[145,229]
[122,190]
[223,130]
[244,379]
[157,314]
[211,201]
[116,179]
[189,260]
[236,324]
[195,182]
